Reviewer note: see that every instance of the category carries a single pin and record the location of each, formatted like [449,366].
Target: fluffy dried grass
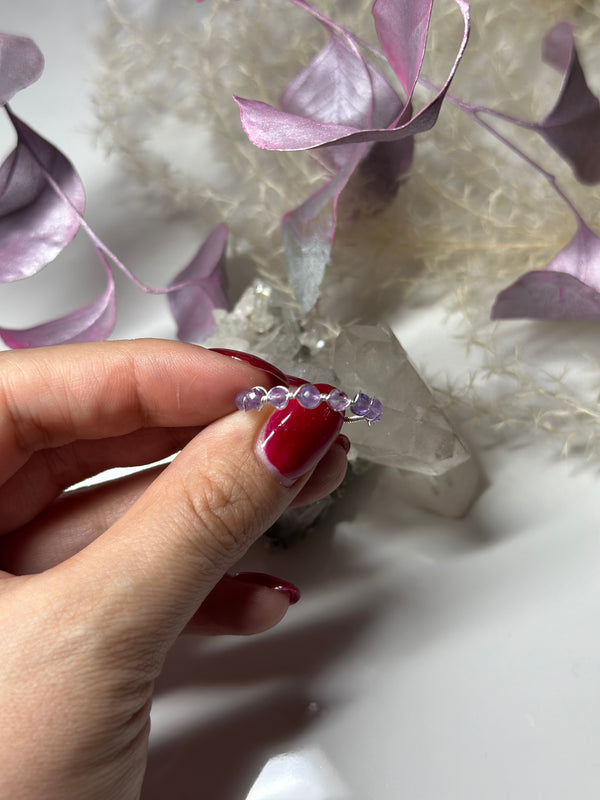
[470,218]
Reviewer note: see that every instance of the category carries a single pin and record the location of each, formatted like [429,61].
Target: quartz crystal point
[415,437]
[266,322]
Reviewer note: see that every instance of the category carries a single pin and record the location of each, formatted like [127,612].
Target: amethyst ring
[361,406]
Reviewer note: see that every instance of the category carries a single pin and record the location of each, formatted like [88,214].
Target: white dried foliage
[470,218]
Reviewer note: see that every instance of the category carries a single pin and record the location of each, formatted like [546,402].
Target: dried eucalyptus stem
[469,219]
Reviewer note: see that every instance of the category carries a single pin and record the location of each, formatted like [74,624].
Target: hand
[98,583]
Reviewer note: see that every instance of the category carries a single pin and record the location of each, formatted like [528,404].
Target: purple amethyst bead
[361,404]
[338,401]
[254,398]
[375,412]
[278,396]
[308,396]
[239,400]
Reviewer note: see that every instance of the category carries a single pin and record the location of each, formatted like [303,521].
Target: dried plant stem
[468,221]
[476,111]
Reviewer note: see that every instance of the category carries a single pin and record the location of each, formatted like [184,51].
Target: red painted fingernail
[264,579]
[295,439]
[254,361]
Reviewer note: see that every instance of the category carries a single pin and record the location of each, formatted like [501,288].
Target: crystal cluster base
[415,437]
[437,469]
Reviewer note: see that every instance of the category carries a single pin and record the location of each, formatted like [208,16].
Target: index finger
[51,396]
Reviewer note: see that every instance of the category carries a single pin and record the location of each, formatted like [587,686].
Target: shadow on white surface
[266,687]
[226,708]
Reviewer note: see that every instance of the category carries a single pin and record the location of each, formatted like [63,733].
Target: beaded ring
[363,407]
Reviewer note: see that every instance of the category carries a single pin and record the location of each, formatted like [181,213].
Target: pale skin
[96,585]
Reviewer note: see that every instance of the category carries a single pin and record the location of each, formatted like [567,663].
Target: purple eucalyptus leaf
[569,287]
[35,223]
[91,323]
[580,258]
[271,129]
[21,64]
[192,306]
[547,295]
[339,86]
[308,233]
[338,99]
[342,87]
[572,128]
[402,27]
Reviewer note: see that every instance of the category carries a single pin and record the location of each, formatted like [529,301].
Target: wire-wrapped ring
[362,407]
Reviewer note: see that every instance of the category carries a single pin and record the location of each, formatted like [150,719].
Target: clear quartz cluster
[267,323]
[416,435]
[437,470]
[416,438]
[260,323]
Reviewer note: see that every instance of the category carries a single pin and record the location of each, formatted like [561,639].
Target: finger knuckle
[225,514]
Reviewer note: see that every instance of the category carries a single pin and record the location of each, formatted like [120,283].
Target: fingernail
[254,361]
[344,442]
[264,579]
[295,439]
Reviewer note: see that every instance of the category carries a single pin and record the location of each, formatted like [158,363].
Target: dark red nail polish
[271,582]
[295,439]
[344,442]
[254,361]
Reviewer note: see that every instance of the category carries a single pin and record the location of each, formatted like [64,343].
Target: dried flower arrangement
[443,209]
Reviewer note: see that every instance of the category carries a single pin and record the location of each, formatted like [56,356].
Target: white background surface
[429,659]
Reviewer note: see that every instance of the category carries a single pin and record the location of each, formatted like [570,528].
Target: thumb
[153,568]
